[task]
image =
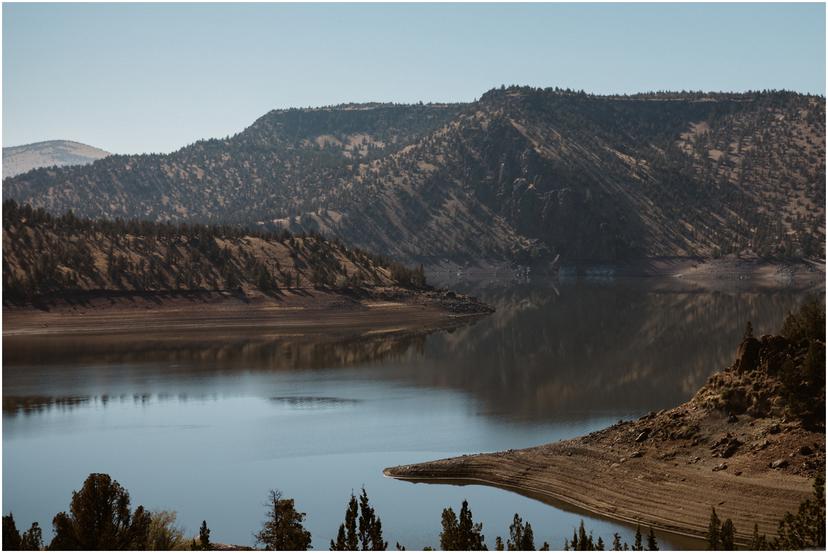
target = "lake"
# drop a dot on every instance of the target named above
(206, 424)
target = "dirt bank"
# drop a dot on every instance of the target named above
(292, 312)
(731, 448)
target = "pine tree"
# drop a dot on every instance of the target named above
(637, 545)
(448, 534)
(757, 542)
(370, 526)
(347, 538)
(616, 542)
(203, 543)
(32, 539)
(11, 537)
(283, 529)
(726, 535)
(521, 537)
(713, 532)
(652, 544)
(498, 543)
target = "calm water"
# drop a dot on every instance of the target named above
(205, 425)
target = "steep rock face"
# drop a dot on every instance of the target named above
(521, 175)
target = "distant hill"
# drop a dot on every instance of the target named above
(521, 175)
(20, 159)
(44, 254)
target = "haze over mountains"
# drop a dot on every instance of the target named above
(521, 175)
(20, 159)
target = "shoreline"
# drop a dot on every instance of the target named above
(731, 447)
(292, 313)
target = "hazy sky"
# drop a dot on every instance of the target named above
(154, 77)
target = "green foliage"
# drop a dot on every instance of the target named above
(347, 538)
(44, 254)
(726, 536)
(11, 536)
(803, 383)
(521, 537)
(461, 534)
(100, 518)
(370, 526)
(283, 529)
(806, 528)
(714, 541)
(808, 323)
(652, 543)
(637, 545)
(32, 539)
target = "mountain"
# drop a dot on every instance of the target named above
(20, 159)
(521, 175)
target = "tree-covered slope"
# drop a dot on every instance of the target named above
(522, 174)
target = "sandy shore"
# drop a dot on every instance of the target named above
(289, 314)
(665, 470)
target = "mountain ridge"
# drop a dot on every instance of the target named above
(521, 175)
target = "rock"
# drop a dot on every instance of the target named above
(636, 454)
(720, 466)
(747, 357)
(732, 418)
(779, 464)
(805, 450)
(738, 473)
(774, 429)
(643, 435)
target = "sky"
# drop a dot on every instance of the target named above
(139, 78)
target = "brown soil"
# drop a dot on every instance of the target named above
(291, 313)
(668, 469)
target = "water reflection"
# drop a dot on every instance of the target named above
(321, 417)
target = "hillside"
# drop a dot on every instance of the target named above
(521, 175)
(52, 153)
(46, 255)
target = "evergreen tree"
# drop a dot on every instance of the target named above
(203, 543)
(806, 529)
(283, 529)
(11, 537)
(370, 526)
(616, 542)
(637, 545)
(100, 518)
(347, 538)
(652, 544)
(757, 542)
(32, 539)
(726, 535)
(713, 532)
(521, 537)
(498, 543)
(448, 534)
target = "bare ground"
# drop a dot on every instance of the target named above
(668, 469)
(294, 312)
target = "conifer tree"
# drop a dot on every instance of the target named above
(11, 537)
(713, 532)
(637, 545)
(347, 538)
(370, 526)
(652, 544)
(726, 535)
(283, 529)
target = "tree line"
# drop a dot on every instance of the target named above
(100, 518)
